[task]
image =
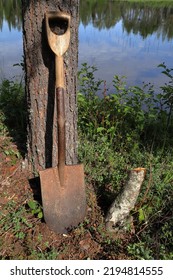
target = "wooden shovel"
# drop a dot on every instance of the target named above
(62, 187)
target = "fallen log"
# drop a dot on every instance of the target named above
(118, 213)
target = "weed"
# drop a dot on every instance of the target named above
(36, 208)
(140, 251)
(15, 220)
(47, 254)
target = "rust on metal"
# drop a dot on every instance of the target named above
(64, 207)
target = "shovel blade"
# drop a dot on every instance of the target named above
(64, 207)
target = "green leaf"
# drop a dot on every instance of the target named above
(6, 152)
(100, 129)
(32, 204)
(167, 74)
(40, 215)
(162, 65)
(141, 215)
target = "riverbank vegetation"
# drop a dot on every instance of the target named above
(129, 127)
(132, 127)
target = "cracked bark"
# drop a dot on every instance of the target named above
(40, 84)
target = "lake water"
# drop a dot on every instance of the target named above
(117, 38)
(115, 52)
(11, 51)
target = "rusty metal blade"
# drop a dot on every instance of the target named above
(64, 206)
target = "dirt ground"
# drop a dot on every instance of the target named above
(25, 236)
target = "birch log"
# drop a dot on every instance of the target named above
(120, 208)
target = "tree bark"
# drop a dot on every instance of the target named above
(125, 201)
(42, 141)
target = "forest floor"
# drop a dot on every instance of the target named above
(25, 235)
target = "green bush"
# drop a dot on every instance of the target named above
(13, 107)
(131, 127)
(130, 116)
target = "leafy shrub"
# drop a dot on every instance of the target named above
(122, 130)
(13, 107)
(130, 116)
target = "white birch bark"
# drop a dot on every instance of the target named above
(120, 208)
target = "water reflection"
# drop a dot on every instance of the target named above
(143, 18)
(119, 37)
(126, 38)
(147, 21)
(10, 11)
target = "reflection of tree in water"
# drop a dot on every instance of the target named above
(147, 20)
(143, 18)
(102, 14)
(10, 10)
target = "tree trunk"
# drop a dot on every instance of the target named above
(40, 84)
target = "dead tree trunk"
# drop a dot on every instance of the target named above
(40, 84)
(125, 201)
